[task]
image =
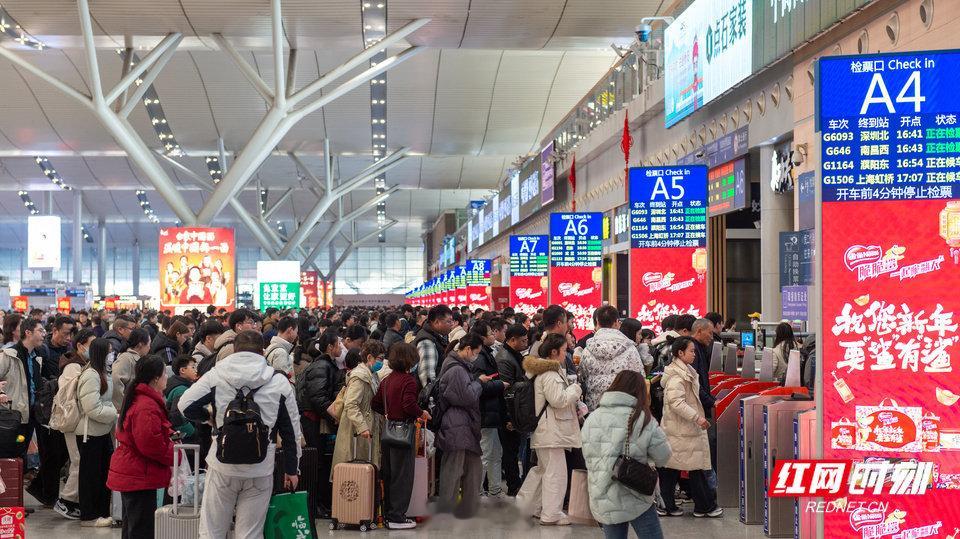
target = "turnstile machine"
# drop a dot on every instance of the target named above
(780, 443)
(805, 428)
(728, 439)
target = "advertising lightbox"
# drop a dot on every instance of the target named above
(890, 248)
(460, 284)
(529, 188)
(529, 265)
(708, 49)
(478, 284)
(668, 238)
(278, 283)
(547, 174)
(309, 288)
(43, 242)
(197, 268)
(576, 257)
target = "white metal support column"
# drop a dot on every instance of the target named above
(356, 243)
(77, 251)
(346, 219)
(102, 257)
(285, 112)
(776, 216)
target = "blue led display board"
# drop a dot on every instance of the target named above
(529, 255)
(668, 206)
(576, 239)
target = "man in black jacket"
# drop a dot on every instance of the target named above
(317, 388)
(510, 367)
(392, 334)
(119, 333)
(492, 409)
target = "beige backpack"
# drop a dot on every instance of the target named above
(65, 416)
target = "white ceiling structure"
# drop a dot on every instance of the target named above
(494, 79)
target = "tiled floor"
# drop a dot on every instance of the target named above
(494, 523)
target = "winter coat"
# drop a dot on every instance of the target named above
(278, 354)
(144, 454)
(357, 417)
(275, 397)
(317, 388)
(401, 392)
(391, 337)
(604, 433)
(559, 426)
(199, 352)
(780, 360)
(176, 386)
(124, 370)
(681, 410)
(493, 408)
(460, 401)
(71, 358)
(11, 371)
(224, 344)
(166, 347)
(606, 354)
(118, 343)
(510, 365)
(97, 413)
(52, 353)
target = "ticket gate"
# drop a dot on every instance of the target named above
(730, 360)
(805, 425)
(767, 361)
(728, 439)
(716, 358)
(752, 485)
(749, 369)
(780, 443)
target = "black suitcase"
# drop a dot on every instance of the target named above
(309, 480)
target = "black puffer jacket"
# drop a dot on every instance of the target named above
(118, 343)
(317, 387)
(165, 347)
(492, 405)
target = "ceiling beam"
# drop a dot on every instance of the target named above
(344, 220)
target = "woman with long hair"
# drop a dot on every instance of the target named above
(686, 426)
(124, 368)
(11, 329)
(71, 365)
(623, 425)
(97, 417)
(783, 343)
(144, 455)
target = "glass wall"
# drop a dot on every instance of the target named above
(380, 270)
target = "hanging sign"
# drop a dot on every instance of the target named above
(460, 283)
(890, 157)
(197, 268)
(576, 257)
(529, 265)
(478, 284)
(668, 238)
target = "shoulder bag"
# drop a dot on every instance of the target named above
(396, 433)
(634, 474)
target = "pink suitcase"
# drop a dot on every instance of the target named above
(355, 492)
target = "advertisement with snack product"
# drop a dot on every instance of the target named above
(478, 284)
(197, 268)
(891, 269)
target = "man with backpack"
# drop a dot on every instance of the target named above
(431, 343)
(278, 352)
(209, 333)
(251, 401)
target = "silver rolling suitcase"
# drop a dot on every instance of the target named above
(171, 521)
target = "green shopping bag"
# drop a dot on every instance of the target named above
(288, 517)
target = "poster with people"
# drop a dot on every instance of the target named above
(197, 268)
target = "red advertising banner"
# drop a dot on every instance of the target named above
(110, 303)
(63, 305)
(501, 297)
(667, 281)
(19, 303)
(577, 289)
(197, 268)
(309, 289)
(326, 292)
(528, 293)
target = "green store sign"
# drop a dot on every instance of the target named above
(279, 295)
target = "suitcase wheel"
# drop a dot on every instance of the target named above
(333, 524)
(363, 527)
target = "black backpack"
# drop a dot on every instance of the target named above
(522, 404)
(243, 438)
(209, 361)
(43, 405)
(429, 400)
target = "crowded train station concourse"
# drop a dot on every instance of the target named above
(287, 269)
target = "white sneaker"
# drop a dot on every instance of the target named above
(61, 509)
(562, 522)
(405, 525)
(717, 512)
(102, 522)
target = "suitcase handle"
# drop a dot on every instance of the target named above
(353, 448)
(177, 449)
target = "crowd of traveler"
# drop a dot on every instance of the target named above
(103, 397)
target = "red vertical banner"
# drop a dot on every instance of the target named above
(309, 288)
(110, 303)
(529, 266)
(500, 296)
(63, 305)
(668, 235)
(576, 259)
(890, 255)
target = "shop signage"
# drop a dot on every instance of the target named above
(708, 50)
(308, 287)
(796, 258)
(546, 175)
(43, 242)
(793, 300)
(807, 200)
(668, 239)
(576, 257)
(514, 197)
(529, 265)
(279, 295)
(63, 305)
(505, 207)
(197, 268)
(621, 223)
(727, 188)
(890, 162)
(478, 284)
(20, 303)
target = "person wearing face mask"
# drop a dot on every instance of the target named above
(124, 368)
(459, 435)
(71, 364)
(357, 418)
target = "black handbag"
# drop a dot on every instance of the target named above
(397, 434)
(634, 474)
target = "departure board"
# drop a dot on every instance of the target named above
(478, 284)
(576, 239)
(668, 206)
(529, 256)
(889, 252)
(727, 188)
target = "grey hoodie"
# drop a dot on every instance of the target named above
(606, 354)
(276, 399)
